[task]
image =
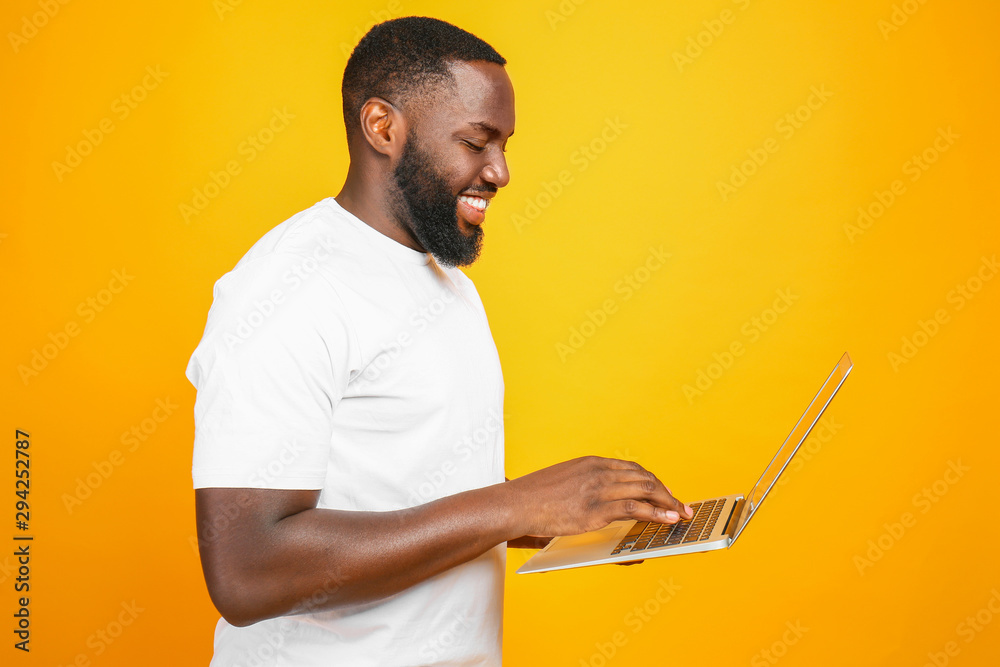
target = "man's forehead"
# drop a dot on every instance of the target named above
(488, 128)
(481, 98)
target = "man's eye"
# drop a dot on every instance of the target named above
(474, 146)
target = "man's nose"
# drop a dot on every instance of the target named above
(496, 171)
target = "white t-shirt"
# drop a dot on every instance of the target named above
(336, 358)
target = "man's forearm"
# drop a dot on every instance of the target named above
(270, 552)
(320, 559)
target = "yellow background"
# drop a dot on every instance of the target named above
(652, 181)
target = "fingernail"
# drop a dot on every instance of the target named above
(689, 510)
(673, 515)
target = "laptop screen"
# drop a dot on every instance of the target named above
(796, 437)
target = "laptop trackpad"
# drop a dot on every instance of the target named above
(604, 535)
(571, 550)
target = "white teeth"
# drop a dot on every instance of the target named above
(477, 203)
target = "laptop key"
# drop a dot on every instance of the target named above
(634, 533)
(650, 535)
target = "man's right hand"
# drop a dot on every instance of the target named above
(273, 552)
(588, 493)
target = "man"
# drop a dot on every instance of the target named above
(348, 457)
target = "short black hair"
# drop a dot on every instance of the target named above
(403, 58)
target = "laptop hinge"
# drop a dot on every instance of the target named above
(734, 521)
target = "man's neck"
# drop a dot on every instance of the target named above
(369, 204)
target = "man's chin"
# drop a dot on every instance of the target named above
(461, 249)
(467, 229)
(452, 259)
(455, 262)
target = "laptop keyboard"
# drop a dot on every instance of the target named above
(649, 535)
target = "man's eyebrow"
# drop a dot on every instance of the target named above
(487, 128)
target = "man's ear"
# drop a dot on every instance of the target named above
(383, 126)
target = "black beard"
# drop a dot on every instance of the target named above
(428, 204)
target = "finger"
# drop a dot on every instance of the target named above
(630, 508)
(651, 491)
(636, 473)
(655, 490)
(621, 464)
(672, 502)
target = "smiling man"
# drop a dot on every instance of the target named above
(349, 449)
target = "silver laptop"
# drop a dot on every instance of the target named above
(716, 523)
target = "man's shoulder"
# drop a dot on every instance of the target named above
(317, 233)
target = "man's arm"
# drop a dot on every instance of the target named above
(527, 541)
(268, 553)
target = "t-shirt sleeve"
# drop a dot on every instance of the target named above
(272, 366)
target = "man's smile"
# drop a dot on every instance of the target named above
(473, 209)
